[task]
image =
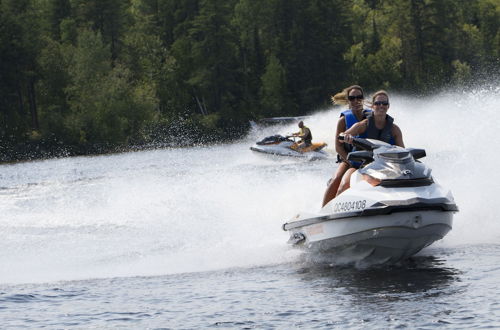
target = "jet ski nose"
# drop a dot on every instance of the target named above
(395, 155)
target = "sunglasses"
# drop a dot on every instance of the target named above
(381, 103)
(355, 97)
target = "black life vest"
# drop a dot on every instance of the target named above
(384, 134)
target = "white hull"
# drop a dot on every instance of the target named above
(284, 150)
(376, 239)
(381, 223)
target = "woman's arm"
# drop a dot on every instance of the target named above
(398, 136)
(339, 146)
(356, 129)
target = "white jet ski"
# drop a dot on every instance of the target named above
(285, 146)
(392, 210)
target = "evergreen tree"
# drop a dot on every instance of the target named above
(105, 107)
(109, 17)
(249, 18)
(274, 93)
(19, 73)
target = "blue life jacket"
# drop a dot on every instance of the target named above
(350, 120)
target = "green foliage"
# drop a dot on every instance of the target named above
(462, 72)
(19, 40)
(51, 88)
(470, 47)
(274, 93)
(104, 107)
(81, 74)
(489, 13)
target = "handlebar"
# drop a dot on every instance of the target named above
(360, 143)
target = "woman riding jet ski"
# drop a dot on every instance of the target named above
(285, 146)
(393, 209)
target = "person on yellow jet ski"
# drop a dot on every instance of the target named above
(305, 136)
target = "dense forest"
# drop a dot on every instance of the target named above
(86, 76)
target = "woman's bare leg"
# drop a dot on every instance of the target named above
(345, 183)
(331, 190)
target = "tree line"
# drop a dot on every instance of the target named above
(85, 76)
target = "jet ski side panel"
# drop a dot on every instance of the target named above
(393, 236)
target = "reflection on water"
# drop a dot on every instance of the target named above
(418, 274)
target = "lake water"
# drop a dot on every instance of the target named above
(191, 238)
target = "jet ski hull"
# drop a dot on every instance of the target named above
(372, 239)
(278, 150)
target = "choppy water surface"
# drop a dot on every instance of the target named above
(190, 238)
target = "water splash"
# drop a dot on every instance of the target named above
(185, 210)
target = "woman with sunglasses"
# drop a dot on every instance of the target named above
(379, 125)
(353, 96)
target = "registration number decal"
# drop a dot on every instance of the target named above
(349, 206)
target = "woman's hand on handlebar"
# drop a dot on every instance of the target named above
(347, 138)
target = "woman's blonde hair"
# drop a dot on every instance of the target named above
(341, 98)
(380, 92)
